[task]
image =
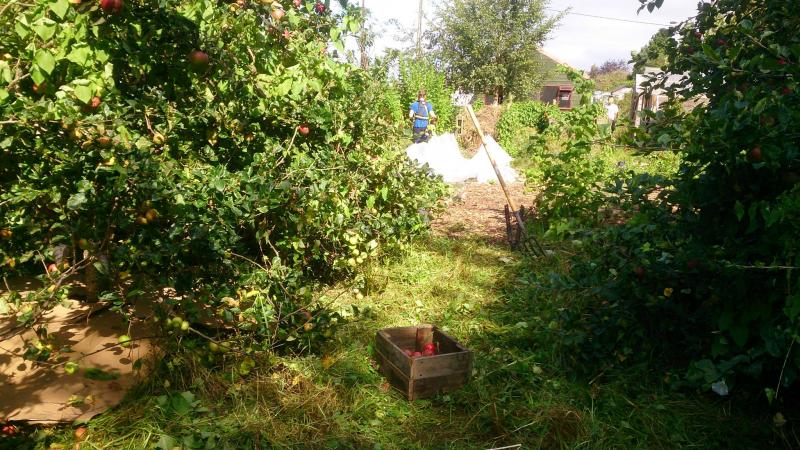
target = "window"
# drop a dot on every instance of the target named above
(565, 97)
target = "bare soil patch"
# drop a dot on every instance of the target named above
(477, 211)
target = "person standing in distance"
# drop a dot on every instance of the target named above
(611, 112)
(422, 114)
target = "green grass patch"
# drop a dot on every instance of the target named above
(519, 393)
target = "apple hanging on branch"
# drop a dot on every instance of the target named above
(755, 155)
(199, 61)
(112, 7)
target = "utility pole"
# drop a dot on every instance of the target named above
(419, 31)
(363, 44)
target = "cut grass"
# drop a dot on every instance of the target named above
(519, 393)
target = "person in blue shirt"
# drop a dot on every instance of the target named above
(422, 114)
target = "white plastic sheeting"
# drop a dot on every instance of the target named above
(443, 157)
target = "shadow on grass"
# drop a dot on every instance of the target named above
(520, 393)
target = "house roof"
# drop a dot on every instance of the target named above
(556, 60)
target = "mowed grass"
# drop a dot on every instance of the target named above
(519, 393)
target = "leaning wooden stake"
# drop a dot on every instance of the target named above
(525, 236)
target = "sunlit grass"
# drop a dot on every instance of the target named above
(519, 393)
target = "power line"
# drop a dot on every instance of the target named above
(607, 18)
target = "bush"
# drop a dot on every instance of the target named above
(519, 120)
(198, 145)
(702, 272)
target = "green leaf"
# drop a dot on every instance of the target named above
(83, 93)
(94, 373)
(79, 55)
(45, 28)
(181, 404)
(739, 210)
(76, 200)
(339, 46)
(22, 28)
(60, 7)
(45, 61)
(246, 366)
(335, 32)
(3, 94)
(739, 333)
(384, 193)
(166, 442)
(71, 367)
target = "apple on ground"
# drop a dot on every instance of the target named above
(80, 433)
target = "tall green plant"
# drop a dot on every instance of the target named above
(416, 74)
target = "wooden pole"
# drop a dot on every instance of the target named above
(419, 31)
(502, 181)
(363, 43)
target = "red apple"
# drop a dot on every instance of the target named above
(40, 88)
(416, 354)
(80, 433)
(298, 3)
(319, 7)
(111, 6)
(722, 42)
(786, 90)
(698, 34)
(428, 352)
(303, 129)
(781, 62)
(52, 268)
(277, 14)
(408, 353)
(199, 60)
(429, 346)
(755, 155)
(692, 264)
(639, 271)
(104, 141)
(5, 233)
(287, 34)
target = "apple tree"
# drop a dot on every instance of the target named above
(211, 147)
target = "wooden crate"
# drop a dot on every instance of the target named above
(423, 376)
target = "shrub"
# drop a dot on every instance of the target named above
(702, 273)
(198, 145)
(520, 119)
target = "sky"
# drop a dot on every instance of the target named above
(579, 41)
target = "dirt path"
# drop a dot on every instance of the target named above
(477, 210)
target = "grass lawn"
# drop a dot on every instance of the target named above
(519, 393)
